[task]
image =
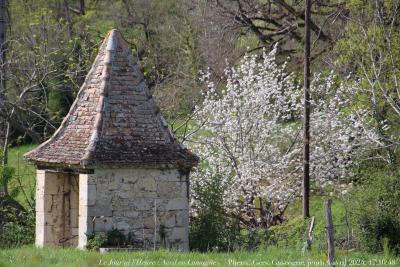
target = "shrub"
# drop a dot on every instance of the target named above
(116, 238)
(17, 223)
(18, 229)
(252, 239)
(288, 234)
(95, 241)
(113, 238)
(210, 228)
(375, 212)
(212, 232)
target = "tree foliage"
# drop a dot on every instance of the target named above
(370, 53)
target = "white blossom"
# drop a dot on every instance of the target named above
(252, 136)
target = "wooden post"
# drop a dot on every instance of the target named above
(310, 233)
(330, 233)
(306, 122)
(155, 224)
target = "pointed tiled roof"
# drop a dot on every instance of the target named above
(114, 119)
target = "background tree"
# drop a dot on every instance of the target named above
(370, 52)
(264, 23)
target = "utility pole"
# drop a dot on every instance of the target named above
(306, 164)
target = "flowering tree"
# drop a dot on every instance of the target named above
(250, 138)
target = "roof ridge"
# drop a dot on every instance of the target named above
(105, 84)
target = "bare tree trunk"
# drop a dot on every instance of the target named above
(5, 157)
(3, 30)
(68, 18)
(306, 164)
(329, 233)
(82, 7)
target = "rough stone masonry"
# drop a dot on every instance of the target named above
(113, 163)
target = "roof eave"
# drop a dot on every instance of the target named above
(88, 166)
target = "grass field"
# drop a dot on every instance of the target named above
(23, 183)
(33, 257)
(16, 156)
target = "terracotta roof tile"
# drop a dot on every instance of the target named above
(114, 120)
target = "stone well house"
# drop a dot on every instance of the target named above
(113, 163)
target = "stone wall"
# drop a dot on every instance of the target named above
(147, 204)
(56, 209)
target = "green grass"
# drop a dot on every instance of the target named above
(317, 210)
(293, 232)
(24, 174)
(32, 257)
(15, 156)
